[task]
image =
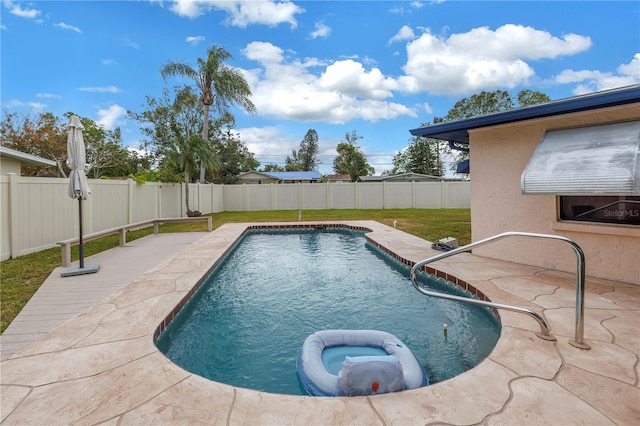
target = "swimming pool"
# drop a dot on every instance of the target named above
(247, 322)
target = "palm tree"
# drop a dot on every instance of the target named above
(184, 150)
(220, 85)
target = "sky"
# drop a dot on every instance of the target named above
(379, 68)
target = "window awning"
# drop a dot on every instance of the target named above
(594, 160)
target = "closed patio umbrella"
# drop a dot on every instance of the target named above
(78, 186)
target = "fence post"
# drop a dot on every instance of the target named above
(245, 199)
(385, 198)
(199, 187)
(272, 191)
(413, 194)
(130, 202)
(14, 214)
(159, 198)
(327, 194)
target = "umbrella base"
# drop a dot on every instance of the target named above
(88, 269)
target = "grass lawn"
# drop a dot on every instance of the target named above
(20, 278)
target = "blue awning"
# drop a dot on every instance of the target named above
(463, 167)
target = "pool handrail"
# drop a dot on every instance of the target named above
(577, 342)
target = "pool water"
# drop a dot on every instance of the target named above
(246, 324)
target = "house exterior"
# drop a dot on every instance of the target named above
(254, 177)
(12, 161)
(569, 167)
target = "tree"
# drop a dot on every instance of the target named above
(480, 104)
(421, 156)
(220, 85)
(486, 103)
(270, 167)
(43, 135)
(306, 158)
(350, 160)
(235, 157)
(187, 150)
(528, 97)
(105, 154)
(173, 127)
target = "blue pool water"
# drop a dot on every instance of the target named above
(246, 324)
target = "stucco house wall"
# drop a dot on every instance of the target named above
(499, 155)
(9, 165)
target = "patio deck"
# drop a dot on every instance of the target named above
(59, 299)
(102, 367)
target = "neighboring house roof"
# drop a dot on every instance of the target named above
(254, 173)
(284, 176)
(25, 159)
(339, 178)
(295, 175)
(403, 177)
(458, 131)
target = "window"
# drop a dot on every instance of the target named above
(607, 209)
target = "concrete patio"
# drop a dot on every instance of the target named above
(102, 367)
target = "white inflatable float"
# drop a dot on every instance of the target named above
(357, 362)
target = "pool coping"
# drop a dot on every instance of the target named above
(103, 367)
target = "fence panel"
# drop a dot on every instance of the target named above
(171, 200)
(257, 197)
(313, 196)
(144, 201)
(342, 196)
(233, 198)
(370, 195)
(457, 195)
(107, 206)
(286, 197)
(427, 195)
(205, 199)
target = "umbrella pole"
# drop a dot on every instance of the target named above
(81, 246)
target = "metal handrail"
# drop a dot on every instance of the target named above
(544, 329)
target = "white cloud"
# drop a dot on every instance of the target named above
(341, 92)
(67, 27)
(632, 68)
(19, 11)
(195, 40)
(263, 52)
(48, 96)
(264, 141)
(105, 89)
(131, 44)
(111, 117)
(405, 33)
(15, 103)
(321, 30)
(242, 13)
(350, 78)
(481, 58)
(594, 81)
(108, 62)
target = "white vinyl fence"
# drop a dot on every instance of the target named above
(35, 213)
